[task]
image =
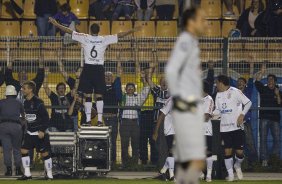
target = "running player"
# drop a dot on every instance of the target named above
(37, 119)
(166, 117)
(208, 106)
(232, 105)
(93, 74)
(183, 74)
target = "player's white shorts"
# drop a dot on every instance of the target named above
(189, 136)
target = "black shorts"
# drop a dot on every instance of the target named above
(92, 78)
(32, 141)
(209, 143)
(169, 141)
(234, 139)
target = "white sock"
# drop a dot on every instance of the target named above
(189, 175)
(209, 161)
(100, 106)
(26, 165)
(48, 167)
(238, 162)
(87, 109)
(170, 161)
(165, 167)
(229, 166)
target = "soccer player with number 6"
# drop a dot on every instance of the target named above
(93, 74)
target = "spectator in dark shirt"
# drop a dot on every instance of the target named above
(43, 10)
(165, 9)
(66, 18)
(246, 22)
(73, 84)
(161, 95)
(144, 9)
(247, 89)
(113, 97)
(22, 77)
(269, 23)
(77, 105)
(60, 120)
(123, 8)
(2, 77)
(101, 9)
(270, 96)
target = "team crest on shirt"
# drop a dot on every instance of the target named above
(228, 95)
(224, 106)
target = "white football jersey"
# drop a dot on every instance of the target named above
(208, 107)
(229, 105)
(94, 46)
(167, 108)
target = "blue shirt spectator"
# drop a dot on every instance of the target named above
(66, 17)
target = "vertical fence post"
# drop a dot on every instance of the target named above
(225, 56)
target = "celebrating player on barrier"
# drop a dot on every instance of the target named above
(232, 105)
(93, 74)
(183, 75)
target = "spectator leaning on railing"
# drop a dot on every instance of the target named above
(60, 120)
(129, 126)
(22, 77)
(270, 96)
(73, 84)
(113, 96)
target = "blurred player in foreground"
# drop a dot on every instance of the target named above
(93, 74)
(166, 118)
(183, 75)
(208, 106)
(232, 106)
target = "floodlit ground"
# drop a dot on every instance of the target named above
(116, 181)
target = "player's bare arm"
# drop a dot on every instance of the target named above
(59, 26)
(124, 34)
(159, 122)
(45, 83)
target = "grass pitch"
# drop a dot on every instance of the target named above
(116, 181)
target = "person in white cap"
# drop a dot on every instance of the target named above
(11, 130)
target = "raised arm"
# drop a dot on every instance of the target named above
(145, 91)
(45, 83)
(123, 34)
(71, 108)
(62, 68)
(2, 77)
(39, 78)
(59, 26)
(9, 79)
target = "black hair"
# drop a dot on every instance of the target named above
(31, 85)
(206, 86)
(273, 76)
(243, 79)
(129, 84)
(61, 84)
(188, 15)
(95, 28)
(224, 80)
(65, 7)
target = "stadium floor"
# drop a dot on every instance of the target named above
(116, 181)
